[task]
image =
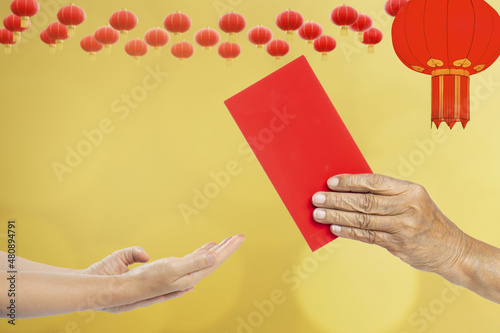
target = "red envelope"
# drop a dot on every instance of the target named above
(298, 138)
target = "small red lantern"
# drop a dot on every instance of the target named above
(7, 38)
(44, 36)
(207, 38)
(277, 48)
(371, 37)
(107, 36)
(24, 9)
(289, 21)
(182, 50)
(363, 23)
(260, 36)
(13, 23)
(123, 21)
(310, 31)
(392, 7)
(156, 38)
(229, 51)
(136, 48)
(58, 32)
(91, 45)
(324, 45)
(344, 16)
(177, 23)
(232, 23)
(71, 16)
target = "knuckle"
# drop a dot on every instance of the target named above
(335, 200)
(376, 181)
(368, 203)
(364, 221)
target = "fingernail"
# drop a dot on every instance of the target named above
(333, 182)
(319, 214)
(211, 258)
(335, 229)
(319, 198)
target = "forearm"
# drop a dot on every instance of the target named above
(41, 294)
(28, 265)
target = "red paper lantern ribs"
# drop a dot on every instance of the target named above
(7, 38)
(232, 23)
(136, 48)
(71, 16)
(229, 51)
(177, 23)
(207, 38)
(107, 36)
(449, 41)
(260, 36)
(310, 31)
(182, 50)
(24, 9)
(363, 23)
(344, 16)
(123, 21)
(44, 36)
(277, 48)
(392, 7)
(289, 21)
(372, 37)
(156, 38)
(58, 32)
(324, 45)
(91, 45)
(13, 23)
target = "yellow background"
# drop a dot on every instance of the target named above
(128, 190)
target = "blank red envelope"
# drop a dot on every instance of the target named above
(299, 139)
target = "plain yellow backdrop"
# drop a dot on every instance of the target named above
(172, 137)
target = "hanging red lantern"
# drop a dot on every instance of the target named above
(277, 48)
(7, 38)
(363, 23)
(58, 32)
(232, 23)
(91, 45)
(107, 36)
(177, 23)
(207, 38)
(156, 38)
(260, 36)
(136, 48)
(24, 9)
(229, 51)
(392, 7)
(310, 31)
(372, 37)
(71, 16)
(344, 16)
(13, 23)
(289, 21)
(182, 50)
(44, 36)
(324, 45)
(465, 41)
(123, 21)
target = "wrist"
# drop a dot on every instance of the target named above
(462, 269)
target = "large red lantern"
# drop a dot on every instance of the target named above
(372, 37)
(363, 23)
(7, 38)
(277, 48)
(107, 36)
(207, 38)
(58, 32)
(182, 50)
(450, 42)
(310, 31)
(260, 36)
(13, 23)
(229, 51)
(324, 45)
(177, 23)
(123, 21)
(344, 16)
(44, 36)
(91, 45)
(71, 16)
(24, 9)
(392, 7)
(232, 23)
(136, 48)
(289, 21)
(156, 38)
